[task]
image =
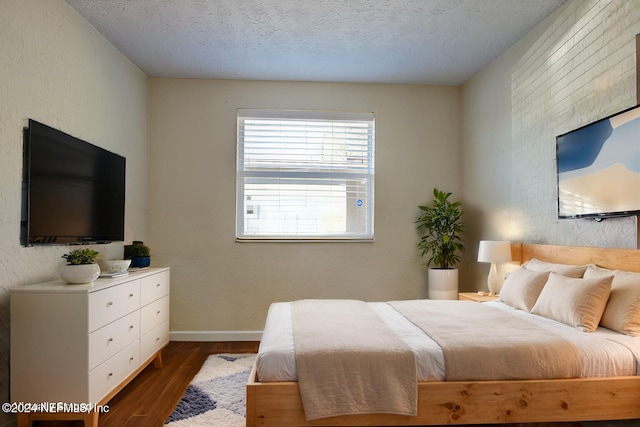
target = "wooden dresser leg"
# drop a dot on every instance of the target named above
(23, 420)
(91, 419)
(157, 361)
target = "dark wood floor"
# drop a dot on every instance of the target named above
(151, 397)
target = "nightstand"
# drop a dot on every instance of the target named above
(474, 296)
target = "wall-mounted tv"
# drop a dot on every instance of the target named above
(75, 191)
(599, 168)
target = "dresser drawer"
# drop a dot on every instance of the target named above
(154, 314)
(110, 304)
(154, 341)
(110, 339)
(154, 287)
(111, 373)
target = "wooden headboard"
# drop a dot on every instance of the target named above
(615, 259)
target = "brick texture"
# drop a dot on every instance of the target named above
(581, 69)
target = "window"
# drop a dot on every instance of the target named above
(304, 175)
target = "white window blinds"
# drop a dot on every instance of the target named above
(304, 175)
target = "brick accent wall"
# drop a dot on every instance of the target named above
(582, 68)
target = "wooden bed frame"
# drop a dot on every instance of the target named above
(278, 404)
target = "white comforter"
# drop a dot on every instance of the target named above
(604, 352)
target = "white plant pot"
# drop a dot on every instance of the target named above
(79, 274)
(443, 283)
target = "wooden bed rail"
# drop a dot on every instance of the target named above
(466, 402)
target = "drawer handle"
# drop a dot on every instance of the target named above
(158, 312)
(110, 374)
(130, 295)
(131, 359)
(130, 327)
(109, 303)
(157, 339)
(157, 285)
(110, 340)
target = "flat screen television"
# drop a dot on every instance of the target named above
(598, 168)
(75, 190)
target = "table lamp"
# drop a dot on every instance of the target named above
(494, 252)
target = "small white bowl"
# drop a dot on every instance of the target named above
(112, 266)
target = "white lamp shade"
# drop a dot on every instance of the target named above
(494, 251)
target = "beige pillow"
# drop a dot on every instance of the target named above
(522, 287)
(622, 313)
(564, 269)
(576, 302)
(595, 271)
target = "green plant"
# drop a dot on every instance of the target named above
(81, 256)
(137, 250)
(441, 226)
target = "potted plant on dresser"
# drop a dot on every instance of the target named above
(138, 253)
(441, 227)
(81, 266)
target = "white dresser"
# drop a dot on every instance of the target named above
(83, 343)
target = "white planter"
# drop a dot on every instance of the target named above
(443, 283)
(79, 274)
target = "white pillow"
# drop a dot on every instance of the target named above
(622, 313)
(576, 302)
(564, 269)
(522, 287)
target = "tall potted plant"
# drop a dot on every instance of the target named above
(441, 227)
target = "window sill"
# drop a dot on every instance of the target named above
(304, 240)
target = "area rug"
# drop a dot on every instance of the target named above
(216, 395)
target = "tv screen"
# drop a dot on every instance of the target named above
(599, 168)
(75, 190)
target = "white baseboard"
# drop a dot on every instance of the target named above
(215, 335)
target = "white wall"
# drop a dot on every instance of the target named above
(574, 68)
(221, 285)
(58, 70)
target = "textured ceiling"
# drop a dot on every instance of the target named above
(443, 42)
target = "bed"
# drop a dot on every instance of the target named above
(602, 395)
